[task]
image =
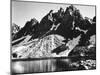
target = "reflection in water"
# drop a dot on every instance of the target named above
(49, 65)
(33, 66)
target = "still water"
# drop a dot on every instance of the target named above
(46, 65)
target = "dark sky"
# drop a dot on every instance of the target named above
(24, 11)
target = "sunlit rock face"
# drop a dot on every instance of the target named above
(71, 44)
(44, 47)
(40, 47)
(92, 41)
(15, 29)
(89, 50)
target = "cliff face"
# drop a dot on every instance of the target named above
(56, 35)
(15, 28)
(49, 46)
(28, 29)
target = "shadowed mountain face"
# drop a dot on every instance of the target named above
(29, 29)
(71, 24)
(68, 24)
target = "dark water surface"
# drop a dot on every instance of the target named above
(47, 65)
